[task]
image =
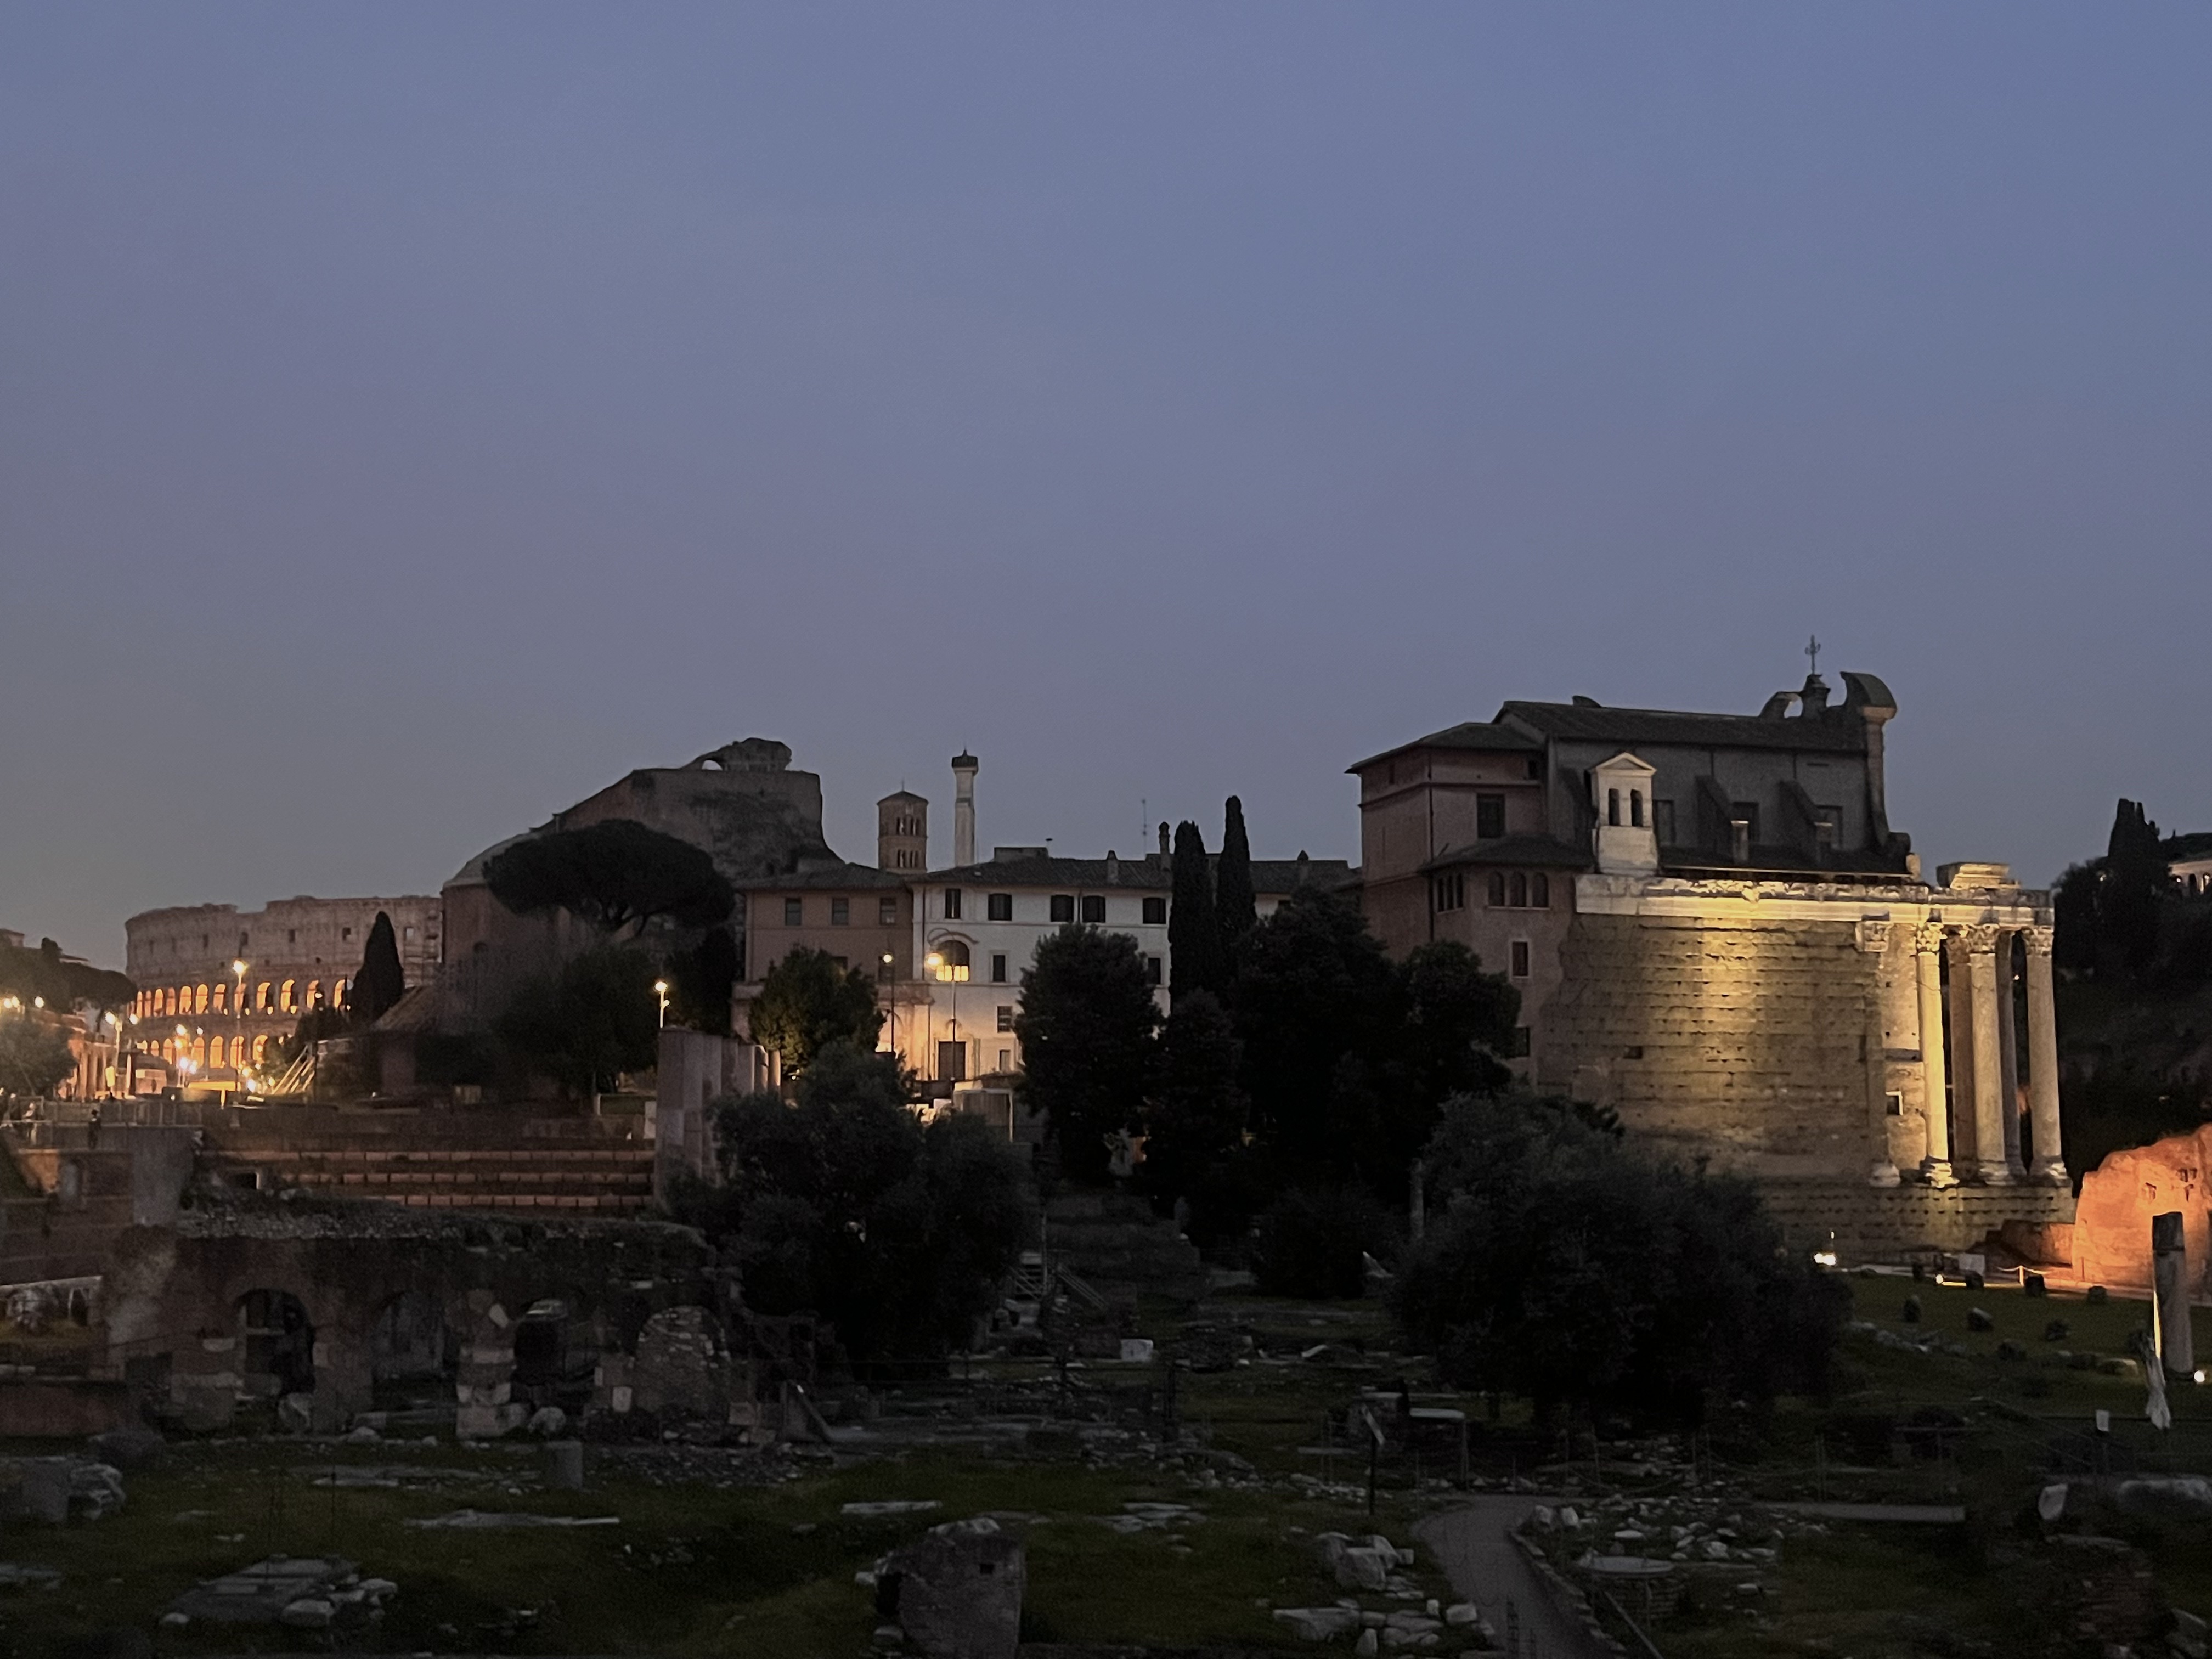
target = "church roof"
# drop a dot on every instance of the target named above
(1834, 731)
(1468, 734)
(1541, 851)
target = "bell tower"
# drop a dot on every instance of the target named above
(903, 832)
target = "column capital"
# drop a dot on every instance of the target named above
(2038, 940)
(1977, 939)
(1873, 935)
(1928, 939)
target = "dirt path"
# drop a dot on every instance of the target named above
(1489, 1570)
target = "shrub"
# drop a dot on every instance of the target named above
(1314, 1243)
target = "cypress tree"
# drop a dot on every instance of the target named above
(1235, 907)
(1193, 937)
(378, 983)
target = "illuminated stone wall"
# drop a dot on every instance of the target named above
(1742, 1042)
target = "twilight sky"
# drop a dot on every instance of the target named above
(414, 416)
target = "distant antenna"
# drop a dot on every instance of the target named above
(1812, 653)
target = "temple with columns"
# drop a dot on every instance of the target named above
(1716, 932)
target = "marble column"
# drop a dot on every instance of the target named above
(2009, 1054)
(2043, 1063)
(1989, 1069)
(1959, 1011)
(1927, 965)
(1873, 941)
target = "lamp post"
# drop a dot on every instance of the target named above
(660, 990)
(934, 962)
(238, 967)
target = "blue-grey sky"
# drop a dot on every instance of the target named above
(414, 416)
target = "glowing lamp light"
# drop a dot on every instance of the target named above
(2197, 1376)
(1824, 1258)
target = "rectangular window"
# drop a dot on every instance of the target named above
(887, 912)
(1450, 892)
(1063, 907)
(1155, 912)
(1000, 906)
(345, 932)
(1005, 1060)
(841, 913)
(1006, 1016)
(795, 913)
(1520, 959)
(1094, 907)
(952, 904)
(1663, 822)
(952, 1062)
(998, 967)
(1489, 816)
(1153, 970)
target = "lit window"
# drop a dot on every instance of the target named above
(260, 1049)
(1155, 912)
(338, 993)
(841, 912)
(1520, 959)
(952, 962)
(794, 912)
(1006, 1016)
(1063, 907)
(200, 1000)
(1094, 907)
(952, 904)
(284, 997)
(1000, 906)
(887, 912)
(221, 995)
(314, 994)
(261, 998)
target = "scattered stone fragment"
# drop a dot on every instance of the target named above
(893, 1506)
(1978, 1319)
(956, 1593)
(1319, 1624)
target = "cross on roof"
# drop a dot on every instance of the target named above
(1813, 653)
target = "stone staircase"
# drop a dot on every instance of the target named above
(1115, 1243)
(452, 1167)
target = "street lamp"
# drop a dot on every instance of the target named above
(660, 990)
(238, 1014)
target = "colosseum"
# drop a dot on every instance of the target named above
(299, 954)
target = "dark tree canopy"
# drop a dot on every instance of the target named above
(1235, 906)
(1348, 1055)
(586, 1024)
(1195, 1119)
(34, 1055)
(807, 1002)
(1086, 1023)
(378, 983)
(700, 981)
(1562, 1267)
(44, 972)
(613, 875)
(2131, 896)
(1193, 935)
(843, 1205)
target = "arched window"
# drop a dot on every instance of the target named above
(337, 994)
(1635, 808)
(1520, 890)
(314, 994)
(221, 995)
(954, 961)
(1613, 806)
(284, 997)
(1540, 890)
(199, 1051)
(169, 1001)
(261, 998)
(200, 1000)
(1497, 888)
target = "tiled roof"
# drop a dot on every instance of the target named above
(1834, 731)
(821, 877)
(1468, 734)
(1152, 874)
